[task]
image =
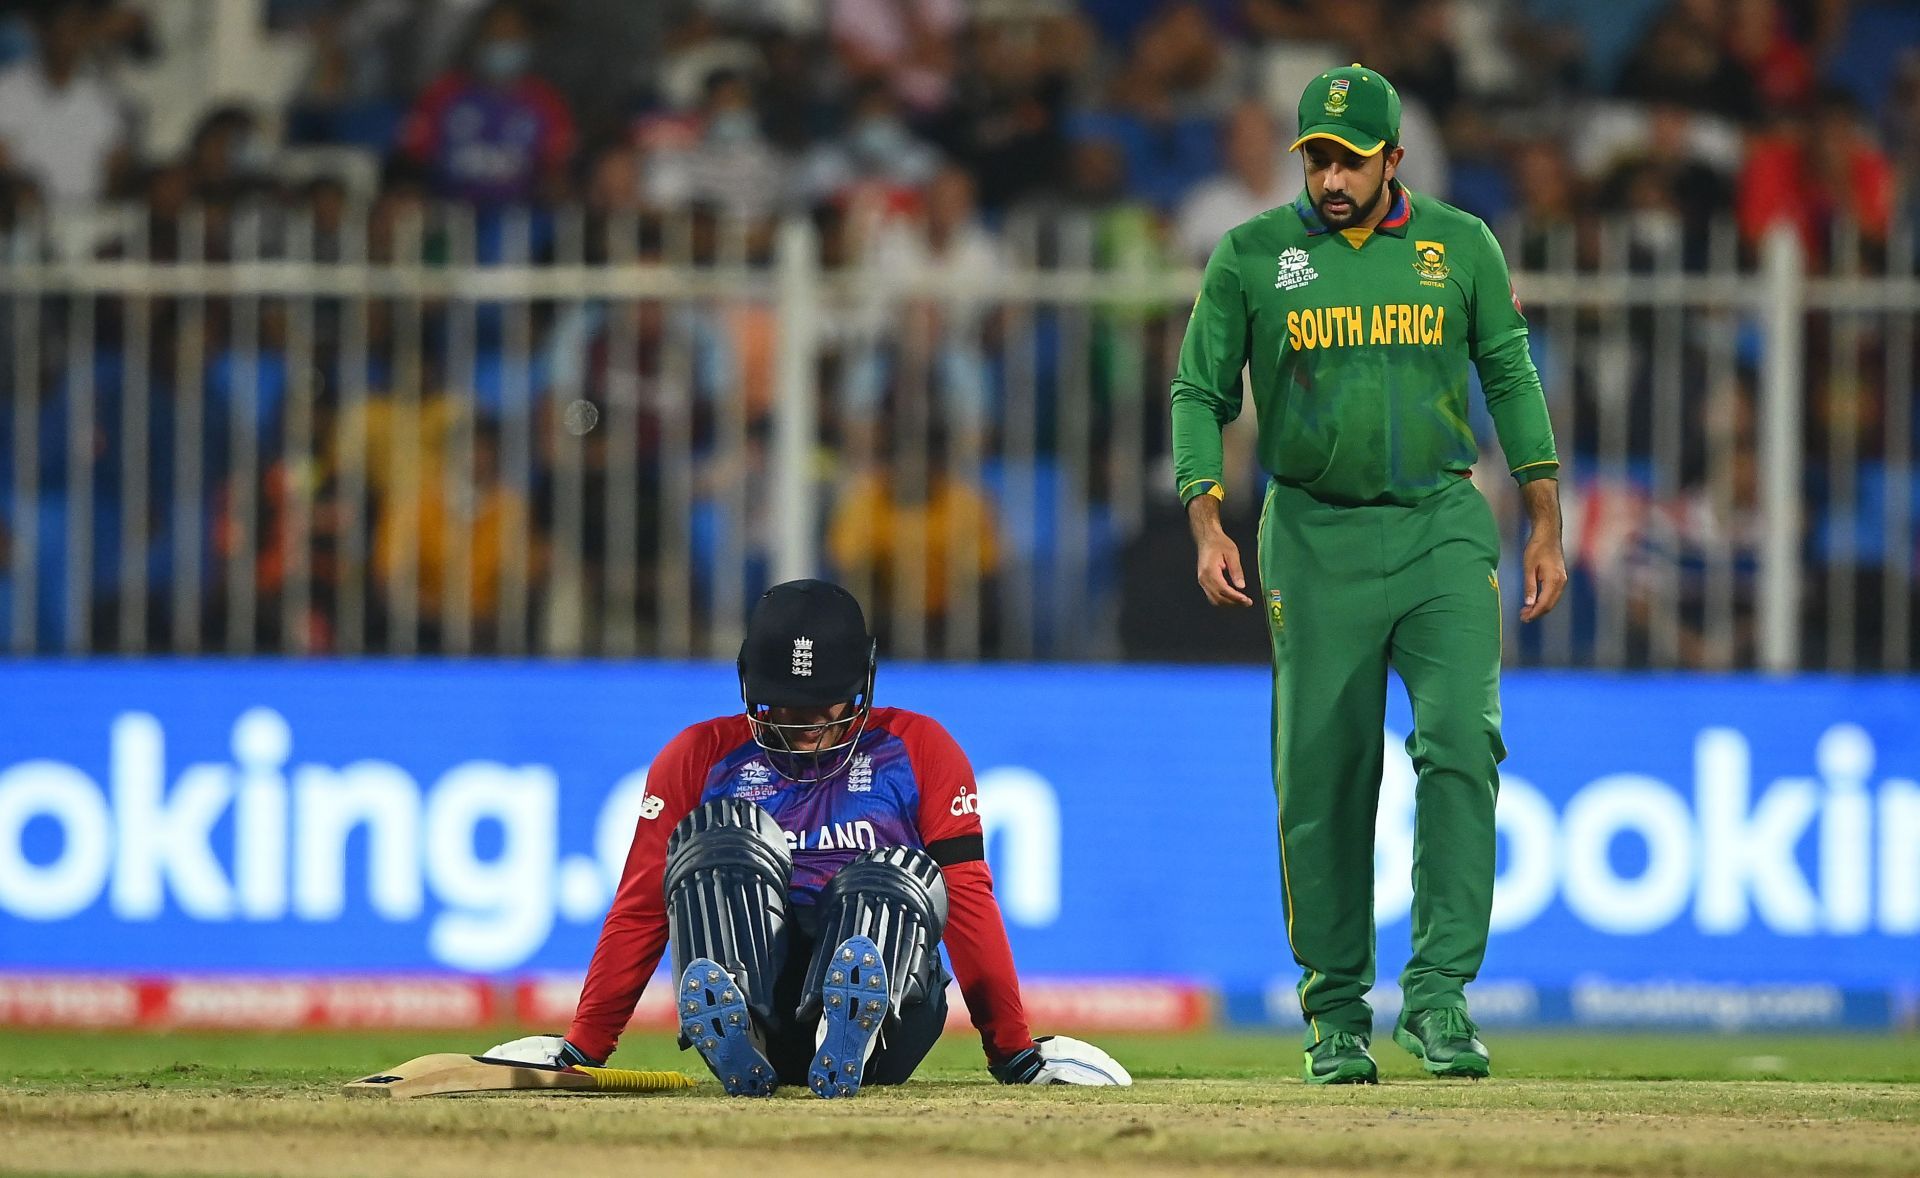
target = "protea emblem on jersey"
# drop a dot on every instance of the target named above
(1430, 262)
(1336, 103)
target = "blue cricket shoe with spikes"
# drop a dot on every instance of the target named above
(715, 1021)
(853, 1005)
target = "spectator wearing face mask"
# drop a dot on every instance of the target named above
(876, 162)
(229, 151)
(730, 166)
(490, 132)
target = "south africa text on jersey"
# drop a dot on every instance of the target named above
(1421, 324)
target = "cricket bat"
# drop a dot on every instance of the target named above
(450, 1073)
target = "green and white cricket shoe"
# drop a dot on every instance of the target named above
(1340, 1058)
(1445, 1041)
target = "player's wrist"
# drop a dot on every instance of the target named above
(1019, 1068)
(573, 1057)
(1203, 517)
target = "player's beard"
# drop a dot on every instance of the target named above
(1357, 213)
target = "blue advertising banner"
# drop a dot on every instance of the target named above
(1662, 838)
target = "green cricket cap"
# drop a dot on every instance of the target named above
(1355, 106)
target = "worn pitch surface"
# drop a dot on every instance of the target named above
(120, 1103)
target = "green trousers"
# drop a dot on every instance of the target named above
(1351, 591)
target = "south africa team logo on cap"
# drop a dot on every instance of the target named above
(1430, 262)
(1336, 103)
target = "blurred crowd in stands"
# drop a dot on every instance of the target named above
(1676, 111)
(911, 134)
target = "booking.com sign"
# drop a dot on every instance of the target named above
(474, 817)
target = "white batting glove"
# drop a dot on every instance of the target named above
(1056, 1059)
(551, 1051)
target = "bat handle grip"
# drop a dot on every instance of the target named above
(631, 1080)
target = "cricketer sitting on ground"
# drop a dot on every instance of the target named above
(1356, 310)
(806, 859)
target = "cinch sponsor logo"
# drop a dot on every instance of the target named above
(262, 838)
(1356, 326)
(1720, 852)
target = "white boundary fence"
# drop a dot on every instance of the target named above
(574, 436)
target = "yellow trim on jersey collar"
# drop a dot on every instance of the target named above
(1346, 143)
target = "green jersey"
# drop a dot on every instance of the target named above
(1358, 343)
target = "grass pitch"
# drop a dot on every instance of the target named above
(195, 1104)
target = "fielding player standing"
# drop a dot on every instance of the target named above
(1358, 308)
(805, 859)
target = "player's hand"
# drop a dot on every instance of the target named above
(1221, 577)
(550, 1051)
(1545, 575)
(1056, 1059)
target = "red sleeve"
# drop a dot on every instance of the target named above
(976, 939)
(635, 931)
(557, 134)
(420, 134)
(1769, 190)
(1872, 183)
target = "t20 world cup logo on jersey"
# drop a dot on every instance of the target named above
(1295, 270)
(756, 782)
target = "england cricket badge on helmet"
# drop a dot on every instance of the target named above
(807, 651)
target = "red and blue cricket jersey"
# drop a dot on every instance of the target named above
(907, 784)
(486, 144)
